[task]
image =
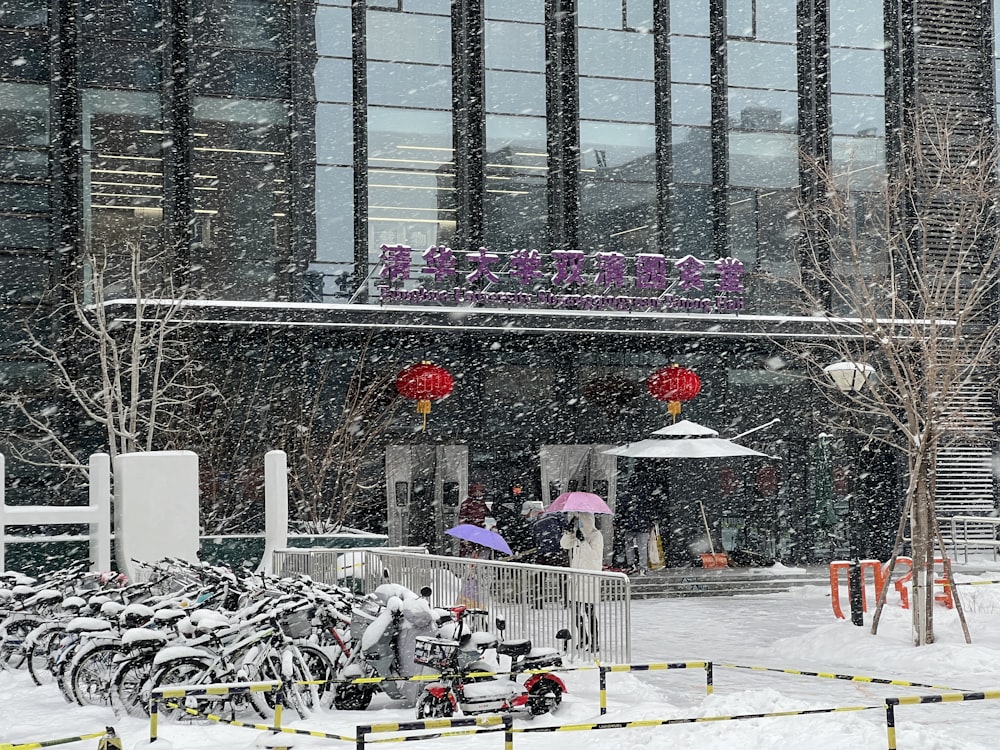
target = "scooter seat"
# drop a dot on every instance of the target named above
(515, 647)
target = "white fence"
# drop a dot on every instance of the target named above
(535, 600)
(97, 516)
(973, 534)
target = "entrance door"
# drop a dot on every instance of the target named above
(424, 486)
(567, 468)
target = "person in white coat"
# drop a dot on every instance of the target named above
(585, 544)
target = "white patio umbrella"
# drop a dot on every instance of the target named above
(685, 439)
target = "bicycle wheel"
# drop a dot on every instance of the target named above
(13, 654)
(131, 686)
(432, 707)
(186, 671)
(91, 672)
(299, 696)
(263, 668)
(321, 669)
(45, 643)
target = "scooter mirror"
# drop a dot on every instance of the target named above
(501, 624)
(426, 592)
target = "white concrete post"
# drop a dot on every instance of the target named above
(100, 500)
(156, 508)
(275, 507)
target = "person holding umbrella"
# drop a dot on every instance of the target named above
(585, 544)
(474, 511)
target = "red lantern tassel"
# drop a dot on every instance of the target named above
(424, 407)
(674, 408)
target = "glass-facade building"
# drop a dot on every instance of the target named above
(345, 155)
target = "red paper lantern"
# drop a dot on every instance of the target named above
(673, 384)
(424, 382)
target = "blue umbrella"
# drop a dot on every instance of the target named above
(479, 535)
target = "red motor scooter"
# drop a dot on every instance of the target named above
(469, 683)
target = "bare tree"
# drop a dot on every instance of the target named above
(327, 457)
(907, 272)
(129, 372)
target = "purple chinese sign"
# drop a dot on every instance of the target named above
(568, 279)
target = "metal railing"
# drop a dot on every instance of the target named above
(972, 533)
(536, 601)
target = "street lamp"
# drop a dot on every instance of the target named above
(850, 377)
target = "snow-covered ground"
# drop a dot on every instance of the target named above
(794, 630)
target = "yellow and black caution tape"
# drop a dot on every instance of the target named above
(665, 665)
(259, 727)
(955, 697)
(479, 724)
(836, 676)
(62, 741)
(603, 687)
(435, 677)
(216, 690)
(692, 720)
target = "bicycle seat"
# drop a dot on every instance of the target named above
(515, 647)
(169, 614)
(87, 625)
(133, 636)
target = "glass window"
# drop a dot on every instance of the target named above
(856, 23)
(515, 204)
(692, 155)
(334, 212)
(689, 17)
(758, 65)
(639, 15)
(515, 93)
(610, 99)
(402, 85)
(333, 31)
(25, 165)
(855, 71)
(740, 18)
(515, 46)
(617, 187)
(21, 14)
(21, 198)
(862, 159)
(23, 56)
(333, 80)
(121, 65)
(243, 73)
(689, 59)
(858, 115)
(775, 21)
(600, 14)
(123, 172)
(616, 54)
(763, 159)
(23, 278)
(691, 105)
(18, 231)
(249, 24)
(116, 19)
(334, 139)
(24, 114)
(504, 10)
(438, 7)
(403, 37)
(758, 109)
(410, 178)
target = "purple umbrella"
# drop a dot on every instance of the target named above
(479, 535)
(579, 502)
